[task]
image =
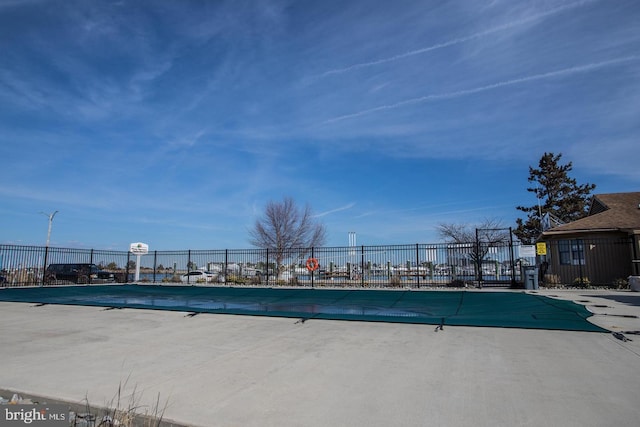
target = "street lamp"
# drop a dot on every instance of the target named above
(51, 215)
(46, 249)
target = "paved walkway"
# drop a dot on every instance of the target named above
(225, 370)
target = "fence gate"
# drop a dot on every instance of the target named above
(494, 258)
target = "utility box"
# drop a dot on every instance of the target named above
(530, 277)
(634, 283)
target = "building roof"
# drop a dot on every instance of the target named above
(608, 212)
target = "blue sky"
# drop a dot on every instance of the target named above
(174, 122)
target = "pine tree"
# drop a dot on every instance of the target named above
(557, 194)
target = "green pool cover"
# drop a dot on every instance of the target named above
(457, 308)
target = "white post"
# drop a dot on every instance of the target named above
(138, 249)
(51, 215)
(352, 238)
(352, 243)
(137, 279)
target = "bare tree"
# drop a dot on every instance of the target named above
(480, 238)
(287, 231)
(490, 231)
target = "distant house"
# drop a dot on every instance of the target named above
(602, 247)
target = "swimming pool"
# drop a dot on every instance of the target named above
(455, 308)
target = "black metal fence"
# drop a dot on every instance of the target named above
(568, 262)
(27, 265)
(415, 265)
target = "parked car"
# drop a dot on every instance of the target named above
(199, 276)
(77, 273)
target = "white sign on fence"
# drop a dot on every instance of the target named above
(139, 248)
(527, 251)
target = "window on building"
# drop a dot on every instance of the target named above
(571, 252)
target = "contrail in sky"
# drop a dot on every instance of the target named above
(342, 208)
(457, 94)
(499, 28)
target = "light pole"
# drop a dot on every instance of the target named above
(51, 215)
(46, 249)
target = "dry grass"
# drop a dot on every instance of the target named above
(124, 410)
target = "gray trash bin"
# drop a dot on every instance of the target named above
(530, 277)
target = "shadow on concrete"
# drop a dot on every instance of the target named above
(624, 299)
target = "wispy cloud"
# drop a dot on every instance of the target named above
(341, 208)
(195, 114)
(186, 141)
(453, 42)
(434, 209)
(456, 94)
(600, 155)
(6, 4)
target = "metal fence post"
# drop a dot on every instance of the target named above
(188, 265)
(478, 260)
(512, 259)
(90, 262)
(155, 259)
(362, 266)
(226, 264)
(126, 279)
(418, 264)
(266, 264)
(312, 271)
(44, 268)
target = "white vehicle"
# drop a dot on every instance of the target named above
(199, 276)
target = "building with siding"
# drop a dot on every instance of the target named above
(602, 248)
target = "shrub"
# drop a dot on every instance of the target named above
(457, 283)
(551, 279)
(581, 281)
(238, 280)
(395, 281)
(621, 284)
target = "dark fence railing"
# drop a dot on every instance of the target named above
(579, 262)
(27, 265)
(415, 265)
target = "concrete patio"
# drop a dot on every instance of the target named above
(227, 370)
